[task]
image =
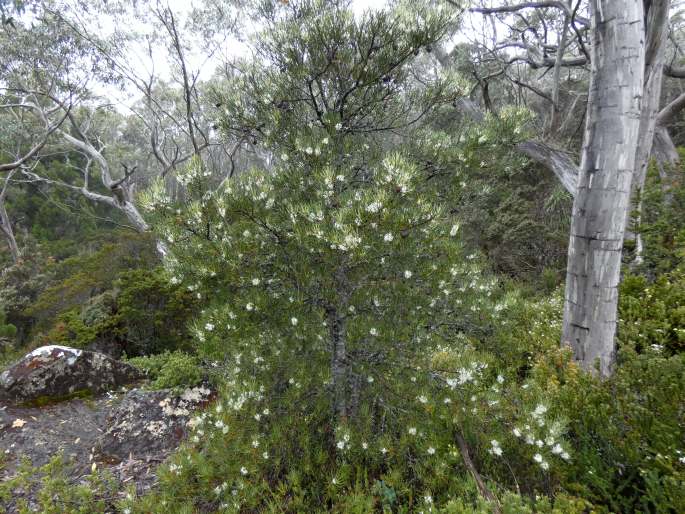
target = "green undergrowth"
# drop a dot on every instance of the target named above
(170, 370)
(54, 490)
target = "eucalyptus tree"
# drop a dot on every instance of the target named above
(624, 44)
(71, 61)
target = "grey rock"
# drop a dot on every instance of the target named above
(54, 373)
(149, 423)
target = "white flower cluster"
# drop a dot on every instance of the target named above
(495, 448)
(546, 440)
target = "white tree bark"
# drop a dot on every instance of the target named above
(602, 200)
(656, 34)
(664, 152)
(6, 223)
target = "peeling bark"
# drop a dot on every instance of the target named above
(602, 201)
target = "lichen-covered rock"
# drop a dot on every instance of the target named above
(149, 422)
(53, 373)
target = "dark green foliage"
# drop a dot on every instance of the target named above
(20, 285)
(652, 315)
(7, 330)
(170, 370)
(515, 212)
(662, 224)
(153, 313)
(628, 435)
(77, 279)
(142, 314)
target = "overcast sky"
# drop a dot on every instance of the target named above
(141, 62)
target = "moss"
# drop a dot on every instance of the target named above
(43, 401)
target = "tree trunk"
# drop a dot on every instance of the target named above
(339, 374)
(602, 201)
(6, 228)
(133, 215)
(664, 152)
(656, 34)
(5, 223)
(556, 81)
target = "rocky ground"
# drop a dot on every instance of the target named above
(128, 430)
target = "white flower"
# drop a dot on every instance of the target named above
(454, 230)
(374, 207)
(265, 455)
(209, 327)
(293, 321)
(516, 432)
(388, 237)
(407, 274)
(243, 470)
(544, 465)
(340, 445)
(384, 450)
(537, 458)
(309, 150)
(423, 399)
(496, 449)
(255, 444)
(428, 498)
(324, 141)
(373, 332)
(369, 379)
(284, 157)
(334, 481)
(412, 430)
(539, 410)
(338, 126)
(557, 449)
(566, 456)
(431, 451)
(249, 306)
(365, 445)
(500, 379)
(255, 281)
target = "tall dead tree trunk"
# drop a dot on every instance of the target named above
(656, 28)
(602, 201)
